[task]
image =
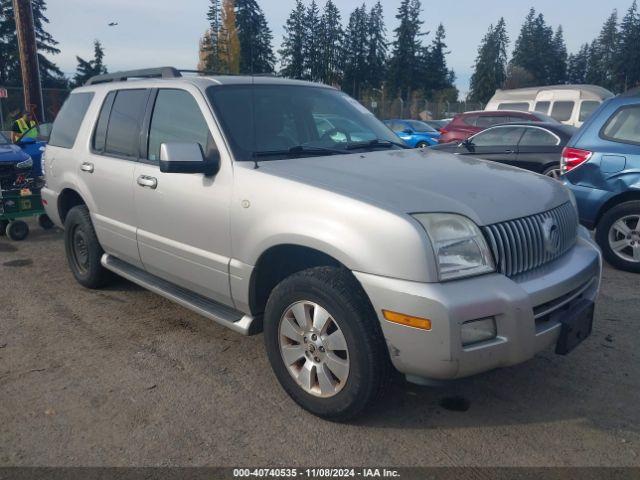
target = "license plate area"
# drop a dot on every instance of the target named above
(576, 325)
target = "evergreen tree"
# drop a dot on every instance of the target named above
(356, 43)
(50, 74)
(292, 50)
(404, 65)
(228, 43)
(376, 47)
(558, 60)
(435, 75)
(254, 37)
(628, 51)
(577, 65)
(312, 46)
(532, 49)
(603, 56)
(490, 70)
(210, 44)
(89, 68)
(331, 45)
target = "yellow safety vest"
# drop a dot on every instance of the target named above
(27, 127)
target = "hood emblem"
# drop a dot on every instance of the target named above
(551, 235)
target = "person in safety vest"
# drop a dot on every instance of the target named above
(24, 126)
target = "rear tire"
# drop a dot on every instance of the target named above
(553, 172)
(422, 145)
(17, 230)
(3, 227)
(618, 234)
(45, 222)
(361, 343)
(83, 249)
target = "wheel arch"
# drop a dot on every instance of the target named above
(627, 196)
(68, 199)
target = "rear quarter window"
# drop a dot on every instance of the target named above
(67, 123)
(623, 126)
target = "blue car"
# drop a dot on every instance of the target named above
(13, 163)
(601, 165)
(415, 133)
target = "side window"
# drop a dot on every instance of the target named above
(521, 106)
(67, 123)
(587, 107)
(100, 134)
(542, 107)
(499, 136)
(537, 137)
(470, 120)
(177, 118)
(624, 126)
(123, 129)
(489, 120)
(562, 111)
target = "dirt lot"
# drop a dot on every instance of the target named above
(124, 377)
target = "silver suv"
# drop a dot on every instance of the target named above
(282, 206)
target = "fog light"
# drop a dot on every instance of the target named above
(475, 331)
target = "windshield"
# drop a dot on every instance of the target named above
(420, 127)
(290, 121)
(3, 140)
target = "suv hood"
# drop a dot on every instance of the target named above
(12, 154)
(415, 181)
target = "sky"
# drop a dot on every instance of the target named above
(166, 32)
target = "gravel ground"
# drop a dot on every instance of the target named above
(122, 377)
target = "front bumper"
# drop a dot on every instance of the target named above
(520, 306)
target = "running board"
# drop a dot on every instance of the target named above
(226, 316)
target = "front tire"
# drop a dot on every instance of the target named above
(618, 234)
(83, 249)
(422, 145)
(17, 230)
(325, 344)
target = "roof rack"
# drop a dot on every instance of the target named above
(160, 72)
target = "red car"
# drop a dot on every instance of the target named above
(466, 124)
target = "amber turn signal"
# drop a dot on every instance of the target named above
(408, 320)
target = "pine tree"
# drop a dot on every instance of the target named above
(254, 36)
(88, 68)
(292, 50)
(50, 74)
(355, 52)
(228, 43)
(331, 45)
(603, 55)
(435, 74)
(558, 60)
(376, 47)
(209, 43)
(628, 51)
(404, 64)
(532, 48)
(577, 65)
(490, 70)
(313, 43)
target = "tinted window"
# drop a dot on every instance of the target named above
(587, 108)
(177, 118)
(499, 136)
(488, 120)
(624, 126)
(522, 106)
(67, 123)
(100, 134)
(542, 107)
(470, 119)
(537, 137)
(561, 111)
(123, 131)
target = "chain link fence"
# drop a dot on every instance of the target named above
(416, 109)
(11, 106)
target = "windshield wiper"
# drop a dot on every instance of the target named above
(376, 142)
(300, 150)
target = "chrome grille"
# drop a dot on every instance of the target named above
(526, 243)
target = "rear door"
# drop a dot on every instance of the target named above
(498, 144)
(108, 171)
(538, 148)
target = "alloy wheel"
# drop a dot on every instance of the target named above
(624, 238)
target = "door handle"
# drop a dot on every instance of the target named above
(87, 167)
(509, 151)
(148, 182)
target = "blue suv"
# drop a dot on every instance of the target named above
(601, 165)
(415, 133)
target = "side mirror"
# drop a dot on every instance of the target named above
(182, 157)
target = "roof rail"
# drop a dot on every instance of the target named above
(160, 72)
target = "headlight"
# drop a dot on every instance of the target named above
(28, 163)
(460, 248)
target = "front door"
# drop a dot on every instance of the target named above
(499, 144)
(183, 219)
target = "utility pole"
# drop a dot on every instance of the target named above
(28, 49)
